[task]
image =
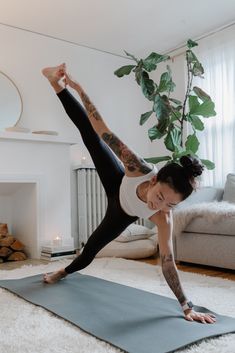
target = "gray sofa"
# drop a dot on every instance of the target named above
(206, 243)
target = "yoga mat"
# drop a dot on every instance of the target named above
(133, 320)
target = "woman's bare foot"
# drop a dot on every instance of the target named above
(54, 74)
(54, 277)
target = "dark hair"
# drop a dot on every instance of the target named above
(181, 177)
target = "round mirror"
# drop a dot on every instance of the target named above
(11, 105)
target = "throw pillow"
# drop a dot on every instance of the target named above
(135, 232)
(130, 250)
(229, 189)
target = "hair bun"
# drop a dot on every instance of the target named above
(191, 165)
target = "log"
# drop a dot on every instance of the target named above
(7, 240)
(17, 245)
(17, 256)
(3, 229)
(5, 252)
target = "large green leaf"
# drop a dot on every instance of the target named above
(138, 71)
(144, 117)
(147, 85)
(191, 57)
(150, 63)
(156, 160)
(194, 104)
(163, 124)
(201, 94)
(206, 109)
(173, 139)
(196, 122)
(175, 115)
(124, 70)
(192, 143)
(166, 83)
(191, 44)
(161, 106)
(154, 133)
(197, 69)
(194, 64)
(209, 165)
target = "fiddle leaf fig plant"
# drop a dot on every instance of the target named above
(170, 114)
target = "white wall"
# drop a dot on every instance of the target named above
(24, 54)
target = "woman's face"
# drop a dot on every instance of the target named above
(161, 196)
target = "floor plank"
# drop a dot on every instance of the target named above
(200, 269)
(204, 270)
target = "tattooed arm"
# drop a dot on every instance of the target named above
(134, 165)
(164, 223)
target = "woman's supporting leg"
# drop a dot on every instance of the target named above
(114, 222)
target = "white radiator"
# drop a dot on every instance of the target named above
(92, 203)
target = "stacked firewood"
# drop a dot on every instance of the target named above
(11, 249)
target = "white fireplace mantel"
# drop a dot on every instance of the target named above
(43, 163)
(20, 136)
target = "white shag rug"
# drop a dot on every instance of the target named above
(26, 328)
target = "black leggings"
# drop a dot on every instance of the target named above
(110, 171)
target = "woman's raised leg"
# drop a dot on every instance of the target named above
(108, 166)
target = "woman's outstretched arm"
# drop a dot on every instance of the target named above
(134, 164)
(164, 223)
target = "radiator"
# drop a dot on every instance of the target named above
(91, 203)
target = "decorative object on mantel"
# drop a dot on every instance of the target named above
(17, 129)
(45, 132)
(11, 104)
(11, 249)
(57, 241)
(52, 252)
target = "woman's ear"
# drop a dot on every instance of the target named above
(153, 180)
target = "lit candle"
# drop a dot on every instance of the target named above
(83, 160)
(57, 241)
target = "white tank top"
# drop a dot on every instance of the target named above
(129, 200)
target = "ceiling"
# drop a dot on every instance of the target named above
(136, 26)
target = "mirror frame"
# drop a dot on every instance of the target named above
(21, 100)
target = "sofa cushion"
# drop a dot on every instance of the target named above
(229, 189)
(137, 249)
(223, 227)
(204, 194)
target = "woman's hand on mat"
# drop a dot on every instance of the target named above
(192, 315)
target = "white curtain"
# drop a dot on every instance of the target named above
(217, 140)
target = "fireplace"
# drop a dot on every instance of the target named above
(35, 198)
(19, 205)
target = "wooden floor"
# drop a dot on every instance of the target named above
(205, 270)
(200, 269)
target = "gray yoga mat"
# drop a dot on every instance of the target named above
(133, 320)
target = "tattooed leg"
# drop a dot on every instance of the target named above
(132, 162)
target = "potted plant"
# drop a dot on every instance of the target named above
(170, 114)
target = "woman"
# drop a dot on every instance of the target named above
(134, 188)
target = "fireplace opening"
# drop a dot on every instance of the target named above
(18, 209)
